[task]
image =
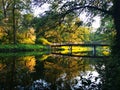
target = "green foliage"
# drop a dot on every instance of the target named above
(12, 18)
(71, 30)
(27, 20)
(106, 32)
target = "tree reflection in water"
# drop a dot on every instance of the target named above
(16, 72)
(54, 73)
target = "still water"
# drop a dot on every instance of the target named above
(50, 72)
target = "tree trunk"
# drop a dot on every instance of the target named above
(113, 65)
(116, 16)
(4, 10)
(14, 24)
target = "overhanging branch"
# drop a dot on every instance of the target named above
(87, 6)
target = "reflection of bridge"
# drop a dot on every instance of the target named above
(70, 45)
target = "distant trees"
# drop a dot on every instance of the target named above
(68, 31)
(11, 13)
(51, 27)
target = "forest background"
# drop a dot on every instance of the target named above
(61, 23)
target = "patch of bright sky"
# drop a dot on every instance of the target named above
(95, 24)
(40, 10)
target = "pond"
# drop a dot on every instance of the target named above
(50, 72)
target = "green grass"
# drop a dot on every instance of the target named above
(22, 47)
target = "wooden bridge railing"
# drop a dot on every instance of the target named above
(78, 44)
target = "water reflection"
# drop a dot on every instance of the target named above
(16, 71)
(48, 72)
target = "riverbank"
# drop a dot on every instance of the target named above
(22, 47)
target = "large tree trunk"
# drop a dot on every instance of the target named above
(116, 16)
(113, 65)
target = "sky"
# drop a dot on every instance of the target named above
(96, 23)
(40, 10)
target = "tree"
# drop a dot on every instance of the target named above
(26, 36)
(11, 12)
(106, 32)
(102, 8)
(14, 21)
(70, 30)
(53, 29)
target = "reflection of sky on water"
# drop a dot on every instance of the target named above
(75, 83)
(40, 85)
(87, 76)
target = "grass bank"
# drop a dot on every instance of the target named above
(22, 47)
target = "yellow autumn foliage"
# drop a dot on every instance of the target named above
(74, 49)
(44, 41)
(106, 51)
(69, 66)
(29, 62)
(2, 66)
(2, 32)
(44, 57)
(27, 37)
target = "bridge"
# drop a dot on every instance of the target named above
(78, 44)
(70, 45)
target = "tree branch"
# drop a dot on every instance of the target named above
(87, 6)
